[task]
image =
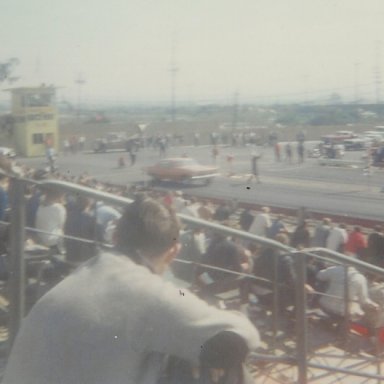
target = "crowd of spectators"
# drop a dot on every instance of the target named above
(51, 214)
(325, 280)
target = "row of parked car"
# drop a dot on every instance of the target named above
(334, 145)
(354, 142)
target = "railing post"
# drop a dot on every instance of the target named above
(301, 319)
(347, 300)
(17, 266)
(275, 299)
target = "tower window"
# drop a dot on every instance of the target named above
(38, 138)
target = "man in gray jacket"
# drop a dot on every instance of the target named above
(115, 320)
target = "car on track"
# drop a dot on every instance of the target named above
(338, 137)
(181, 170)
(357, 144)
(375, 137)
(117, 141)
(112, 140)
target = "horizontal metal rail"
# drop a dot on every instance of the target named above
(301, 358)
(123, 201)
(346, 371)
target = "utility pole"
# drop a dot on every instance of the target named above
(357, 86)
(174, 69)
(377, 71)
(235, 111)
(38, 69)
(306, 90)
(80, 81)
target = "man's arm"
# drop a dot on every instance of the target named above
(226, 350)
(181, 325)
(323, 275)
(362, 293)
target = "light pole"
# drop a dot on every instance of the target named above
(377, 71)
(174, 69)
(235, 111)
(80, 81)
(357, 91)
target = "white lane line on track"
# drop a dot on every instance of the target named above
(329, 188)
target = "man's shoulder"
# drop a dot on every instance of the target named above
(110, 259)
(127, 273)
(333, 269)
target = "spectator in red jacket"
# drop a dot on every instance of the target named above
(356, 243)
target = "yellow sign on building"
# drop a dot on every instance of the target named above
(35, 120)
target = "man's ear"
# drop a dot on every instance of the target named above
(114, 237)
(172, 253)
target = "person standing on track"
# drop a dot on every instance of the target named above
(254, 168)
(215, 154)
(288, 153)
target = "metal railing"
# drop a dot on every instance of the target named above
(300, 358)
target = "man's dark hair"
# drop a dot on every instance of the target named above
(147, 226)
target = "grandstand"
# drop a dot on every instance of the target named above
(302, 344)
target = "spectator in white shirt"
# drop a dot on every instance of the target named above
(337, 238)
(50, 219)
(178, 201)
(189, 209)
(104, 215)
(261, 223)
(334, 302)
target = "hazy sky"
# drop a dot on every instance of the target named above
(262, 49)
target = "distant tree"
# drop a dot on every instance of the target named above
(6, 70)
